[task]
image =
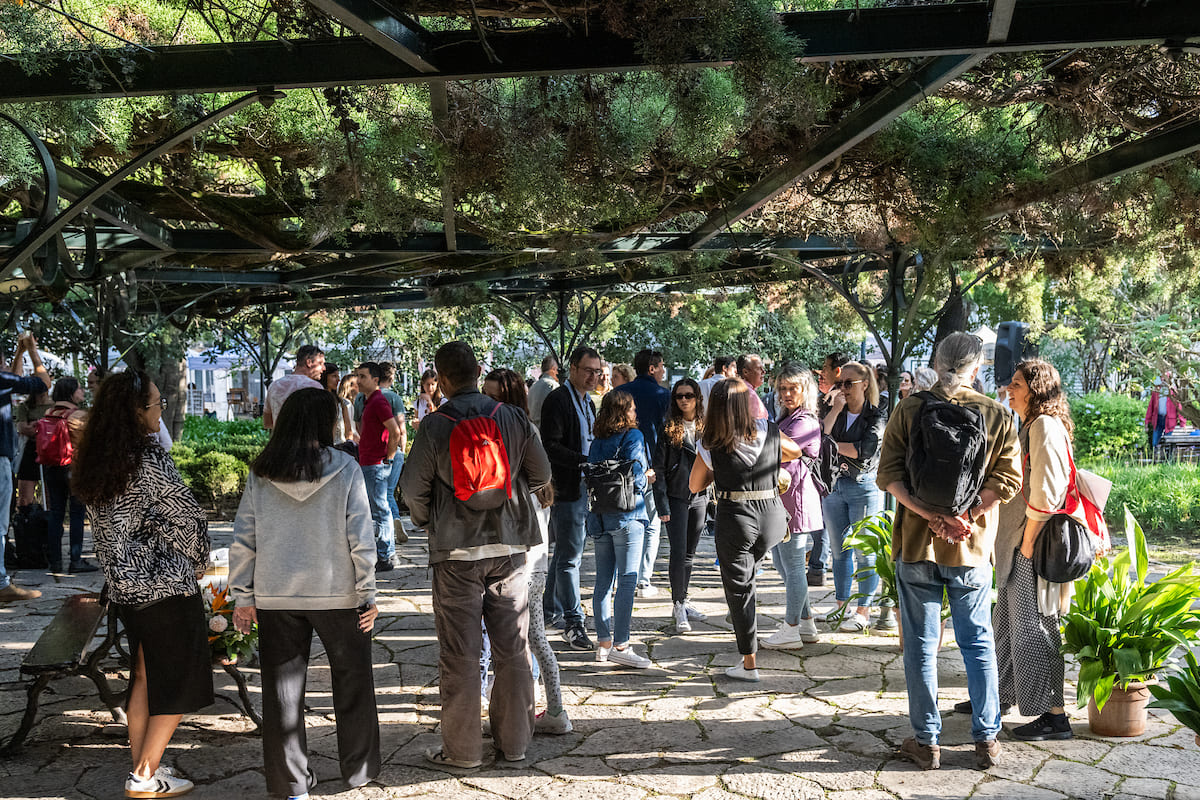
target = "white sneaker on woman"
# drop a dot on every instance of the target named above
(808, 631)
(628, 657)
(693, 613)
(681, 619)
(854, 622)
(740, 673)
(786, 638)
(159, 784)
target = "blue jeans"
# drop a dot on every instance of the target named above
(788, 558)
(57, 485)
(921, 586)
(393, 481)
(567, 520)
(618, 554)
(650, 545)
(377, 477)
(851, 500)
(6, 490)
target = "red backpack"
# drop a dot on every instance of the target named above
(478, 460)
(54, 448)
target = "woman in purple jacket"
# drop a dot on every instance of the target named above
(797, 395)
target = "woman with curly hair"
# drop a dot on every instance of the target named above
(618, 536)
(686, 510)
(151, 539)
(1027, 609)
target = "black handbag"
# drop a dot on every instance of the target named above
(1065, 548)
(610, 484)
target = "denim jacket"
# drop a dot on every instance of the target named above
(627, 446)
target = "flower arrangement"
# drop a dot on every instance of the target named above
(227, 643)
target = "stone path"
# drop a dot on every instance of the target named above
(823, 723)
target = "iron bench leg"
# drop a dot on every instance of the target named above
(31, 706)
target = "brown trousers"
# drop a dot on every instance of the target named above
(465, 594)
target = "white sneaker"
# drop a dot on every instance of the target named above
(808, 631)
(159, 784)
(853, 623)
(556, 724)
(602, 653)
(628, 657)
(647, 590)
(694, 614)
(786, 638)
(681, 619)
(740, 673)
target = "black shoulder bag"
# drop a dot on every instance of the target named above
(610, 484)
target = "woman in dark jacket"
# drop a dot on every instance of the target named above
(151, 539)
(856, 423)
(684, 513)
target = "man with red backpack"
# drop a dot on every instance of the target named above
(468, 481)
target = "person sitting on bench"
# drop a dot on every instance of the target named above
(151, 539)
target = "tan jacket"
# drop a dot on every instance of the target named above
(912, 541)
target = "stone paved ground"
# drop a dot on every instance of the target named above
(823, 723)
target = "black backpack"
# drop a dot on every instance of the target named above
(947, 454)
(610, 484)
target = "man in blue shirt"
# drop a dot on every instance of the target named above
(652, 401)
(13, 381)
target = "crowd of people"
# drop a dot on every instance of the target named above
(507, 484)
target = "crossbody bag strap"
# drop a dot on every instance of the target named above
(1071, 502)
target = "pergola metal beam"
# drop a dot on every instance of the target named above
(1140, 154)
(393, 33)
(1000, 20)
(114, 209)
(853, 129)
(867, 34)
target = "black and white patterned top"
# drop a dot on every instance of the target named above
(152, 539)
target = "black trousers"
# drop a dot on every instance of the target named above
(284, 641)
(683, 533)
(745, 532)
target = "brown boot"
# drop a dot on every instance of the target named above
(12, 593)
(926, 756)
(987, 754)
(401, 534)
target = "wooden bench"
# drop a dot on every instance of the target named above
(62, 650)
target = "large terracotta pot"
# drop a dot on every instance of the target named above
(1124, 714)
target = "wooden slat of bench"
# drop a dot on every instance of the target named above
(65, 641)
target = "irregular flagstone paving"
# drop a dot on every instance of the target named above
(823, 724)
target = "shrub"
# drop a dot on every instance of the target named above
(215, 474)
(1107, 425)
(1165, 497)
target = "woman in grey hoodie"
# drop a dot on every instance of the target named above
(303, 560)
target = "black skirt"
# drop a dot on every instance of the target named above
(28, 469)
(173, 635)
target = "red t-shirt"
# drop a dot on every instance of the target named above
(372, 445)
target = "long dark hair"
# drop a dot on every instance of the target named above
(1046, 395)
(673, 430)
(114, 439)
(64, 389)
(614, 414)
(512, 388)
(729, 419)
(296, 449)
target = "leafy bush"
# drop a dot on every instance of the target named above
(1164, 497)
(215, 474)
(1107, 425)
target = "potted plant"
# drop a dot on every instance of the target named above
(1181, 694)
(1123, 631)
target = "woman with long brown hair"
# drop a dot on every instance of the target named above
(673, 460)
(618, 536)
(1025, 619)
(506, 386)
(151, 539)
(742, 456)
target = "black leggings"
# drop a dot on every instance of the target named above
(683, 533)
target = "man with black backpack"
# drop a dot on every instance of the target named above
(13, 381)
(949, 457)
(468, 482)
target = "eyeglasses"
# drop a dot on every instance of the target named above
(847, 384)
(591, 371)
(162, 403)
(686, 396)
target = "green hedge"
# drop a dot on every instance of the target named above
(1107, 425)
(1165, 498)
(213, 457)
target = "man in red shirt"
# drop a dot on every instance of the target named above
(379, 439)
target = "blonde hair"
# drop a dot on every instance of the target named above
(865, 373)
(729, 420)
(795, 373)
(626, 371)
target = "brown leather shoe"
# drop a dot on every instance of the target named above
(925, 756)
(13, 593)
(987, 754)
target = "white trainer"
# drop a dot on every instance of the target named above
(808, 631)
(786, 638)
(681, 619)
(647, 590)
(740, 673)
(602, 653)
(556, 724)
(853, 623)
(628, 657)
(159, 784)
(693, 613)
